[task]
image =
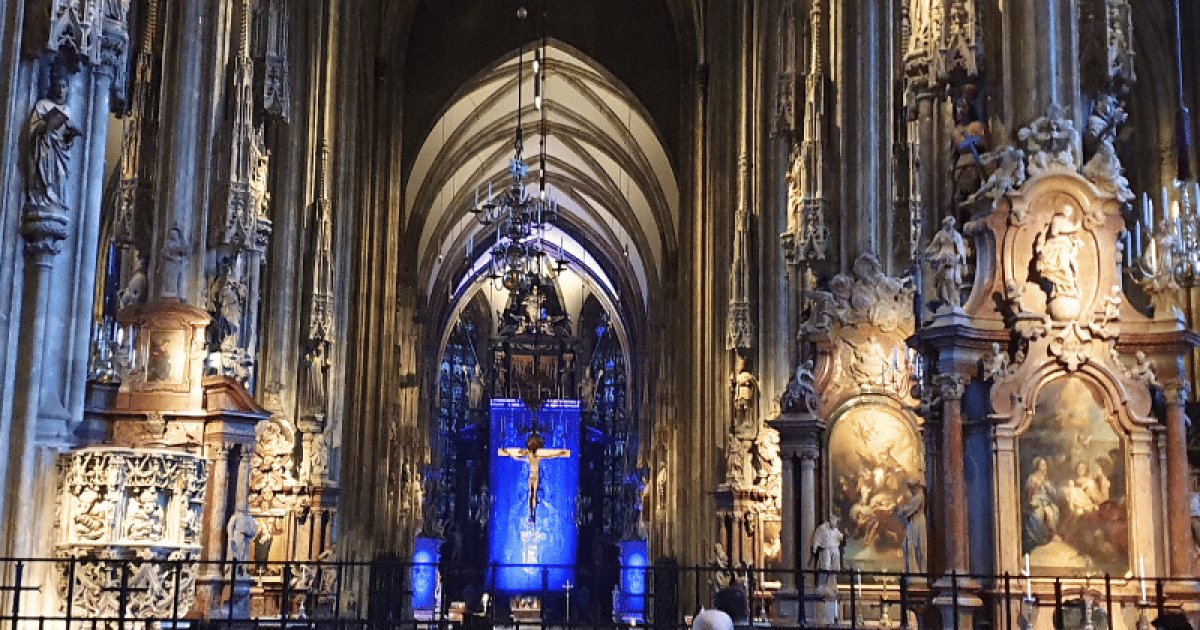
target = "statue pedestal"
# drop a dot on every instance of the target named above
(957, 599)
(218, 597)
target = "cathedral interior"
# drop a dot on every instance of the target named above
(881, 313)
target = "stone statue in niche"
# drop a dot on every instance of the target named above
(745, 399)
(240, 531)
(970, 143)
(1058, 248)
(317, 364)
(475, 388)
(50, 138)
(174, 263)
(947, 255)
(135, 290)
(737, 454)
(316, 456)
(144, 516)
(1104, 167)
(587, 388)
(228, 297)
(718, 559)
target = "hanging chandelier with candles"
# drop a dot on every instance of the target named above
(519, 260)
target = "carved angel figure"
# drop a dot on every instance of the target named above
(996, 365)
(50, 139)
(1104, 167)
(174, 263)
(1008, 173)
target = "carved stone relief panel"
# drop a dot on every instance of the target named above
(139, 505)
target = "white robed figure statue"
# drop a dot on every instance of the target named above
(533, 453)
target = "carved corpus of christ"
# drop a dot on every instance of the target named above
(533, 453)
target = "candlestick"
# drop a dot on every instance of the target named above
(1028, 580)
(1142, 575)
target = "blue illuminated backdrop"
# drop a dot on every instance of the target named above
(551, 539)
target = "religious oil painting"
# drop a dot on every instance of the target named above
(876, 472)
(1073, 512)
(165, 356)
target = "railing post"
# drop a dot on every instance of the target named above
(904, 601)
(954, 595)
(286, 603)
(853, 602)
(18, 576)
(175, 593)
(123, 595)
(70, 603)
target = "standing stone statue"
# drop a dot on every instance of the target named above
(745, 398)
(912, 511)
(947, 255)
(318, 364)
(174, 263)
(827, 549)
(241, 531)
(587, 388)
(475, 388)
(50, 139)
(1058, 248)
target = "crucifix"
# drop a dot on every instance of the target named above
(534, 454)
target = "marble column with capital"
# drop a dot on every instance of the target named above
(954, 493)
(1179, 533)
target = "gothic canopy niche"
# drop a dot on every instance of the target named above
(606, 165)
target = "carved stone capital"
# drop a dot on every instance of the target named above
(1176, 392)
(44, 228)
(950, 386)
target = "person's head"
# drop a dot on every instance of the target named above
(1081, 468)
(732, 601)
(1172, 621)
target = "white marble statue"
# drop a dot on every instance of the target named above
(475, 388)
(174, 263)
(1058, 249)
(827, 548)
(240, 530)
(144, 516)
(947, 255)
(996, 364)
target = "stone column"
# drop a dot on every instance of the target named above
(178, 189)
(955, 597)
(44, 228)
(951, 388)
(210, 580)
(1179, 533)
(89, 225)
(1041, 53)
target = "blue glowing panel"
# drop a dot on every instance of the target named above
(425, 573)
(550, 538)
(632, 602)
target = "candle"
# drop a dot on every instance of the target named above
(1142, 575)
(1166, 202)
(1137, 237)
(1028, 581)
(1147, 211)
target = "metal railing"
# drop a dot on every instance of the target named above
(94, 593)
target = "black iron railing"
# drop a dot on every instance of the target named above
(135, 593)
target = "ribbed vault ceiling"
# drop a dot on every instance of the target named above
(606, 164)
